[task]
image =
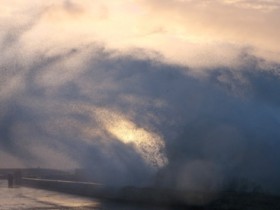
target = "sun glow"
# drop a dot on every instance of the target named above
(147, 143)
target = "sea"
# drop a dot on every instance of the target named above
(24, 198)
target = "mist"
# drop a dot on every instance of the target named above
(137, 117)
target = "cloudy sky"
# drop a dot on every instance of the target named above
(184, 88)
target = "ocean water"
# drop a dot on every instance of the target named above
(22, 198)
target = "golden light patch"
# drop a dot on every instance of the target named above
(147, 143)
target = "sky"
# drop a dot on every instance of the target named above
(184, 92)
